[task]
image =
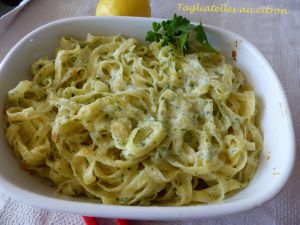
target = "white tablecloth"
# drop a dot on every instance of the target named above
(277, 36)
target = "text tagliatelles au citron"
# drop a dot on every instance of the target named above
(226, 8)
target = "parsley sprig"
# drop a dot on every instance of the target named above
(177, 32)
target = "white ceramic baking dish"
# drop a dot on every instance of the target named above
(279, 146)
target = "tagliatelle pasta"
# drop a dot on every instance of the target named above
(132, 124)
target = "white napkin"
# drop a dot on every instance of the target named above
(7, 18)
(277, 36)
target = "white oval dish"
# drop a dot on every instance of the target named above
(279, 145)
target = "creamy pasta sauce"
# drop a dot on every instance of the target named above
(133, 124)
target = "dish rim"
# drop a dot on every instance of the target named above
(156, 212)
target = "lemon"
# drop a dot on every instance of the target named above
(123, 8)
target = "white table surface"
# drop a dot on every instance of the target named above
(276, 36)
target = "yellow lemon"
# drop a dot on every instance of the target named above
(123, 8)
